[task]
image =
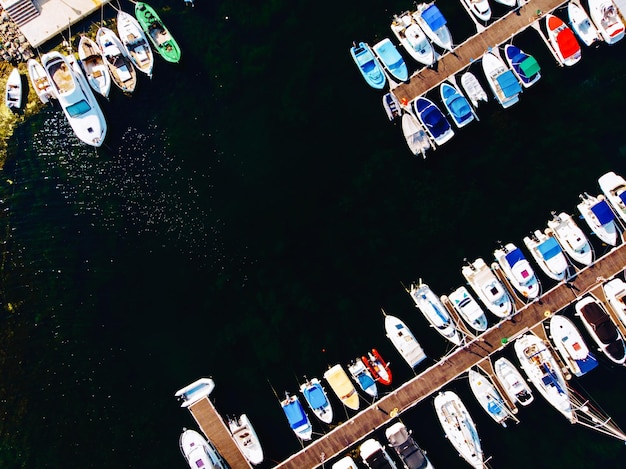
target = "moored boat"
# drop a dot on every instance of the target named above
(613, 186)
(599, 216)
(369, 66)
(433, 120)
(513, 382)
(488, 397)
(121, 69)
(615, 293)
(472, 87)
(296, 416)
(434, 24)
(391, 106)
(415, 135)
(548, 254)
(375, 456)
(135, 42)
(96, 70)
(502, 81)
(456, 104)
(345, 463)
(479, 8)
(605, 16)
(543, 371)
(488, 288)
(517, 269)
(571, 345)
(581, 23)
(570, 237)
(246, 438)
(363, 377)
(154, 28)
(13, 91)
(524, 66)
(434, 311)
(342, 386)
(200, 452)
(562, 40)
(413, 39)
(378, 367)
(459, 427)
(195, 391)
(38, 78)
(391, 60)
(317, 399)
(409, 452)
(468, 308)
(601, 328)
(404, 341)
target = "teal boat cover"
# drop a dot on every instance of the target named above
(509, 84)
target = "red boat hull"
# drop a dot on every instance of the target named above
(377, 367)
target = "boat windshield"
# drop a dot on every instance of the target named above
(79, 108)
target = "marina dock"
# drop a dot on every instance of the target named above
(474, 47)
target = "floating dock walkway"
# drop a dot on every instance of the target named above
(474, 48)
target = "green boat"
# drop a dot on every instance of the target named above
(156, 31)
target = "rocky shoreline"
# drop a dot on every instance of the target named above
(14, 46)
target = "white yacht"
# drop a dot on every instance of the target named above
(607, 19)
(434, 24)
(488, 397)
(468, 308)
(513, 382)
(246, 438)
(613, 186)
(317, 399)
(570, 237)
(547, 254)
(503, 82)
(601, 328)
(615, 292)
(517, 269)
(199, 452)
(434, 311)
(599, 217)
(413, 39)
(404, 341)
(571, 346)
(488, 288)
(375, 456)
(75, 97)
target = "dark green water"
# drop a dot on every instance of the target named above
(251, 213)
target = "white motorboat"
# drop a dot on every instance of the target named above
(459, 427)
(415, 135)
(517, 269)
(195, 391)
(488, 397)
(570, 237)
(571, 345)
(375, 456)
(246, 438)
(363, 377)
(479, 8)
(413, 39)
(615, 292)
(120, 66)
(135, 42)
(345, 463)
(38, 78)
(434, 311)
(605, 16)
(409, 452)
(404, 341)
(13, 92)
(468, 308)
(613, 186)
(342, 386)
(473, 89)
(433, 120)
(96, 70)
(488, 288)
(75, 97)
(502, 81)
(199, 452)
(508, 3)
(296, 416)
(317, 399)
(601, 328)
(548, 254)
(513, 382)
(599, 216)
(391, 105)
(562, 40)
(543, 371)
(581, 23)
(434, 25)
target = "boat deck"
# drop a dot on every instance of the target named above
(529, 317)
(473, 48)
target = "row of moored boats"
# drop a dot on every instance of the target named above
(110, 59)
(424, 35)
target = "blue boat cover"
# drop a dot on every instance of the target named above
(295, 414)
(459, 107)
(588, 364)
(509, 84)
(365, 381)
(433, 17)
(434, 119)
(603, 212)
(315, 396)
(494, 407)
(514, 257)
(549, 248)
(622, 197)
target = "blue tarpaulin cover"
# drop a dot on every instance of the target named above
(514, 257)
(295, 414)
(603, 212)
(315, 396)
(433, 17)
(509, 84)
(549, 248)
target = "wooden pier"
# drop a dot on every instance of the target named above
(474, 48)
(529, 317)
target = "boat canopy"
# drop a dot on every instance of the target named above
(514, 256)
(295, 414)
(549, 249)
(315, 396)
(529, 66)
(365, 381)
(509, 84)
(603, 212)
(459, 107)
(567, 43)
(494, 407)
(433, 17)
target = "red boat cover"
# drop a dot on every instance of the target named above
(567, 43)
